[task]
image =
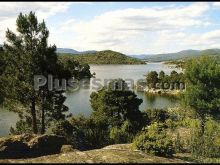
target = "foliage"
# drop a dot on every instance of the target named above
(22, 126)
(121, 134)
(152, 78)
(155, 141)
(112, 106)
(207, 145)
(178, 144)
(74, 68)
(72, 134)
(157, 115)
(174, 79)
(203, 87)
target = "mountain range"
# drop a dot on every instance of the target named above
(151, 57)
(177, 56)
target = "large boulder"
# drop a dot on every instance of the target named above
(13, 147)
(46, 144)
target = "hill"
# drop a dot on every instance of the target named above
(179, 55)
(103, 57)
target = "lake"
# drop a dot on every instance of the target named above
(78, 101)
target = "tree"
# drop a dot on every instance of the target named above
(203, 87)
(152, 78)
(114, 104)
(161, 76)
(27, 54)
(22, 56)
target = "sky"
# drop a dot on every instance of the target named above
(131, 28)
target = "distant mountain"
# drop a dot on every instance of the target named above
(72, 51)
(179, 55)
(103, 57)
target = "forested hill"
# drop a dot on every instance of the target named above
(103, 57)
(179, 55)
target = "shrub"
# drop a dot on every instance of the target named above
(157, 115)
(208, 144)
(155, 141)
(71, 133)
(122, 134)
(96, 134)
(178, 144)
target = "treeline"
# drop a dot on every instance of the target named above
(163, 81)
(103, 57)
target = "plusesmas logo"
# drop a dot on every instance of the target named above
(97, 84)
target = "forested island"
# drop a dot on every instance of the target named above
(116, 127)
(162, 84)
(103, 57)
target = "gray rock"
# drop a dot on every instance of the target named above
(46, 144)
(12, 148)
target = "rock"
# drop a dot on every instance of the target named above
(67, 148)
(46, 144)
(13, 147)
(111, 154)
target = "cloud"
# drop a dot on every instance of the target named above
(216, 4)
(10, 10)
(156, 29)
(119, 29)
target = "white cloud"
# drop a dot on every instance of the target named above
(10, 10)
(156, 29)
(216, 4)
(119, 29)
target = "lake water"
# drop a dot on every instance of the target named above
(78, 101)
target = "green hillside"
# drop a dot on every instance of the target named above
(185, 54)
(103, 57)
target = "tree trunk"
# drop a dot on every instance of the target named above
(202, 124)
(34, 118)
(43, 116)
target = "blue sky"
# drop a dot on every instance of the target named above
(127, 27)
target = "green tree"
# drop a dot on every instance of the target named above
(161, 76)
(27, 54)
(114, 104)
(152, 78)
(203, 87)
(22, 56)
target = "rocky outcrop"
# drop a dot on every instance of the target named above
(111, 154)
(46, 144)
(23, 146)
(13, 148)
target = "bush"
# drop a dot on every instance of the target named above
(157, 115)
(96, 134)
(208, 144)
(22, 127)
(122, 134)
(178, 144)
(155, 141)
(71, 133)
